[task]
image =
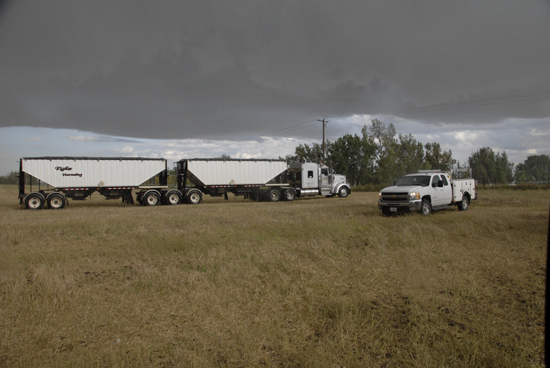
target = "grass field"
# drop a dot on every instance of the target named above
(312, 283)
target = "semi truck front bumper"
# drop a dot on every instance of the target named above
(400, 207)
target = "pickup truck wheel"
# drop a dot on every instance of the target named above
(463, 205)
(343, 192)
(426, 208)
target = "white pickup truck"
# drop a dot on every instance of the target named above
(427, 191)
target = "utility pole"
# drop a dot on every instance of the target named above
(325, 122)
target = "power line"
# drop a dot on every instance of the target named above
(531, 96)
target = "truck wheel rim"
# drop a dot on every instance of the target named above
(426, 208)
(152, 200)
(194, 198)
(55, 203)
(173, 198)
(34, 203)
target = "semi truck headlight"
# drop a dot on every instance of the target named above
(415, 195)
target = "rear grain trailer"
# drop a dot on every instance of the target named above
(52, 180)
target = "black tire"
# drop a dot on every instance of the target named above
(194, 197)
(34, 201)
(151, 198)
(273, 195)
(426, 207)
(289, 195)
(464, 204)
(343, 192)
(172, 198)
(56, 201)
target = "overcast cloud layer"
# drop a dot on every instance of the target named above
(232, 69)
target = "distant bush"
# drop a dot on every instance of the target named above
(11, 178)
(367, 188)
(514, 187)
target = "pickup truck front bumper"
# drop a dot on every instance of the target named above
(411, 206)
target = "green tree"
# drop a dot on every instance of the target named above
(504, 170)
(535, 168)
(305, 153)
(387, 169)
(347, 157)
(410, 154)
(483, 165)
(438, 159)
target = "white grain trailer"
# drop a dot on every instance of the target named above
(58, 178)
(257, 179)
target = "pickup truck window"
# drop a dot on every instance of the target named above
(422, 180)
(445, 182)
(435, 181)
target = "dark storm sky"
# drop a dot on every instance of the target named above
(229, 69)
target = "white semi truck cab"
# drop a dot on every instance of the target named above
(311, 179)
(427, 191)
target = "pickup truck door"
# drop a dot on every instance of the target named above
(447, 190)
(442, 191)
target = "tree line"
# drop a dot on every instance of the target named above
(379, 156)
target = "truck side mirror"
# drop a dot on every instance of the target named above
(440, 184)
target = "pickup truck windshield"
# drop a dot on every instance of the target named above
(422, 180)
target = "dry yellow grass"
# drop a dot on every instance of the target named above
(313, 283)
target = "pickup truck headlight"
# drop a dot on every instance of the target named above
(414, 195)
(379, 195)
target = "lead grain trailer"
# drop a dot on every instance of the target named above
(52, 180)
(257, 179)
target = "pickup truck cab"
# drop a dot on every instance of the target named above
(427, 191)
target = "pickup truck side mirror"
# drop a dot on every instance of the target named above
(440, 184)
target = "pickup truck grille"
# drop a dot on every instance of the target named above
(395, 197)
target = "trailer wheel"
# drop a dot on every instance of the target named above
(151, 199)
(34, 201)
(194, 197)
(56, 201)
(273, 195)
(289, 195)
(463, 205)
(343, 192)
(426, 208)
(173, 197)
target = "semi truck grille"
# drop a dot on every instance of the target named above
(395, 197)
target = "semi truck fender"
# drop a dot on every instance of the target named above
(337, 189)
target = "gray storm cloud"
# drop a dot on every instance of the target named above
(234, 68)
